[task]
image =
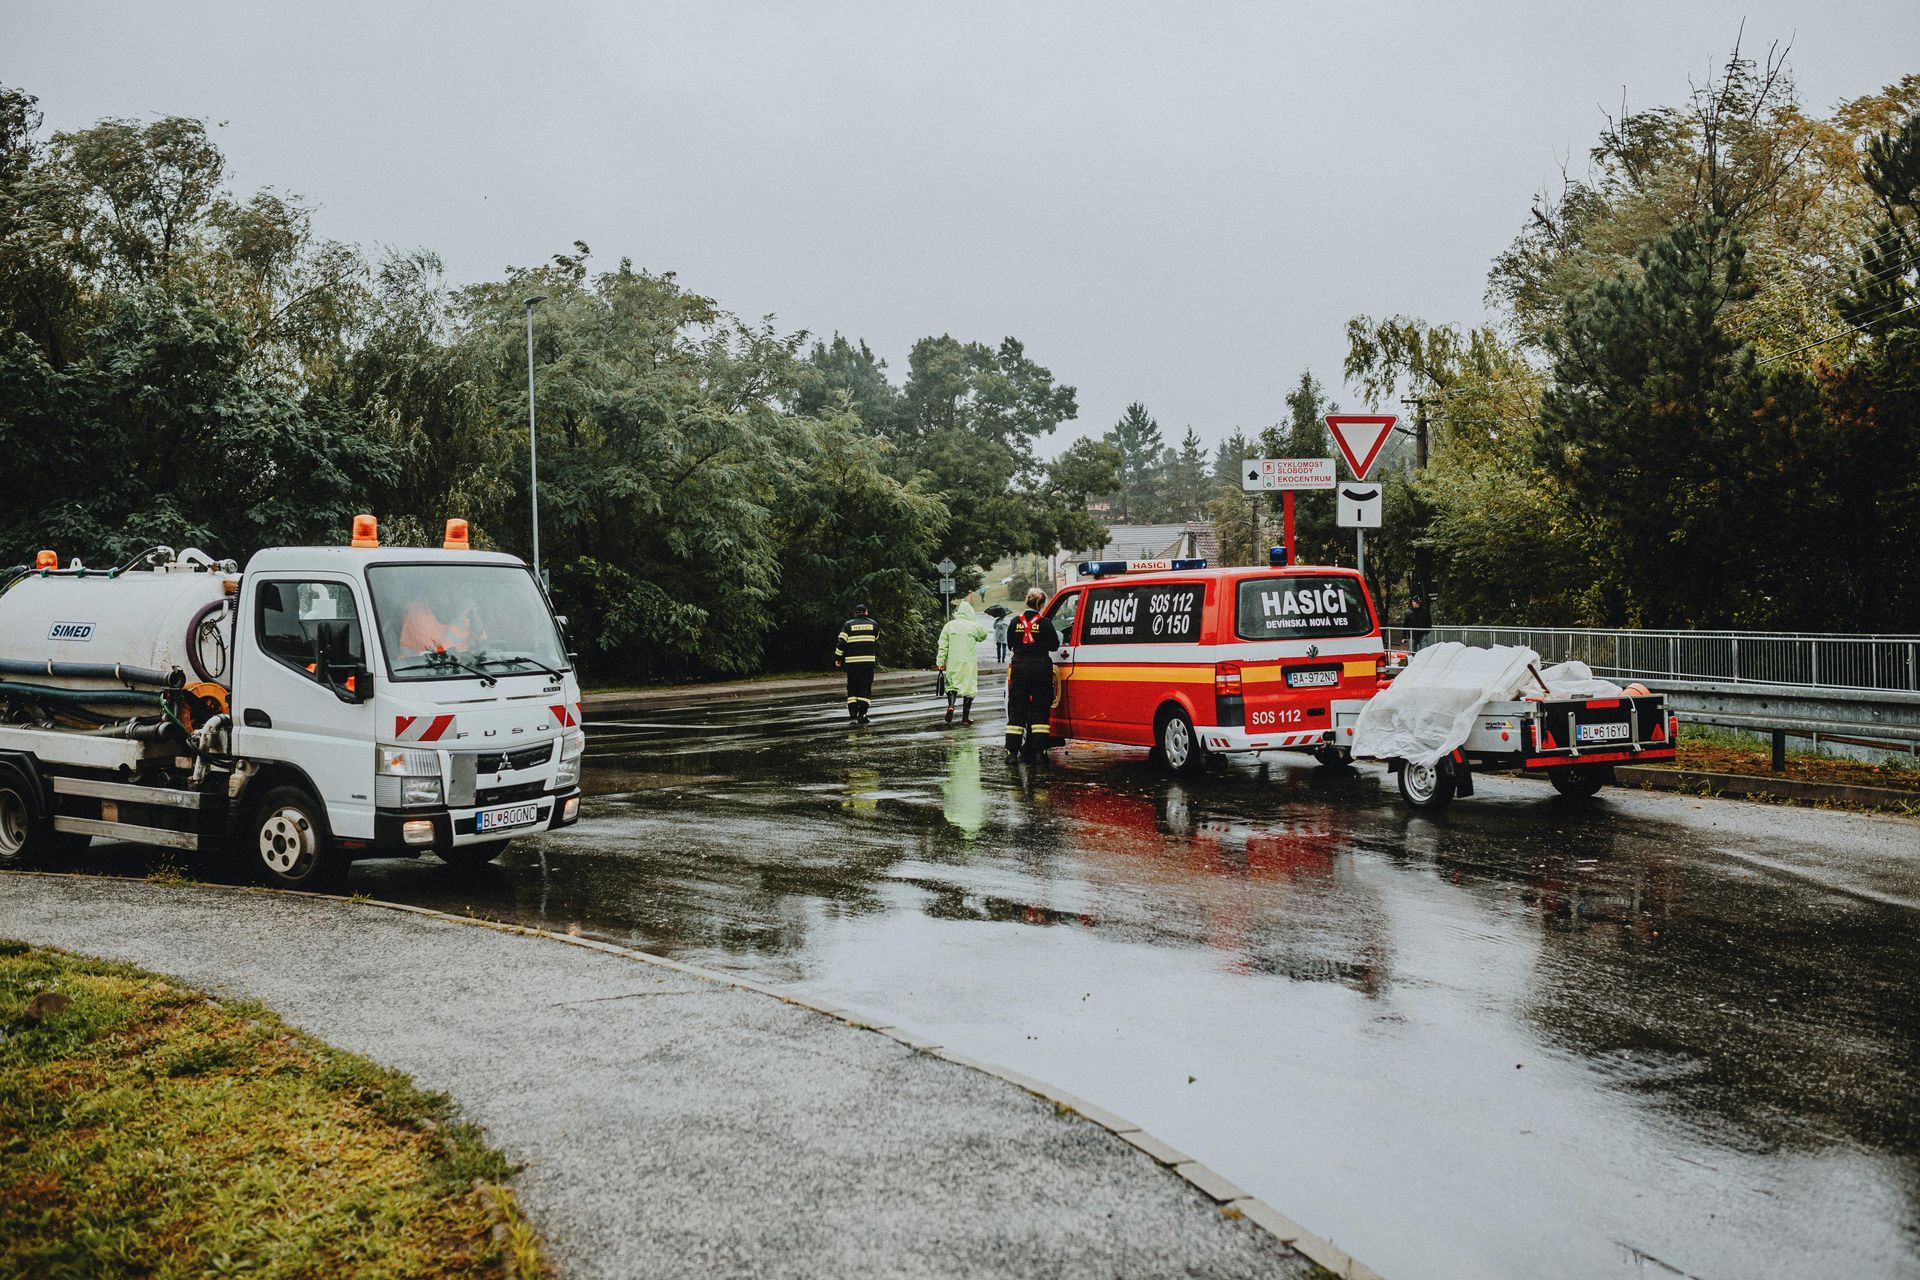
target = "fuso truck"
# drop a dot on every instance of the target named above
(328, 704)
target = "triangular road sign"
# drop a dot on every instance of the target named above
(1360, 437)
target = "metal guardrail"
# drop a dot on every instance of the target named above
(1809, 660)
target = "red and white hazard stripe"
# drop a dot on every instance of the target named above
(567, 717)
(421, 728)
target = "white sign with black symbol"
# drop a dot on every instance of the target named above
(946, 586)
(1359, 505)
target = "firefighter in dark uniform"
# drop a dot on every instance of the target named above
(855, 652)
(1031, 641)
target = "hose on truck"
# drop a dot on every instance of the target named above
(90, 671)
(51, 693)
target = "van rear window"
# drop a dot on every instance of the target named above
(1300, 607)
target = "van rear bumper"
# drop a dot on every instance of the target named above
(455, 827)
(1236, 740)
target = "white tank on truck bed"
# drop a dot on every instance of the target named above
(69, 630)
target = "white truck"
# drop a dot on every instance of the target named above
(326, 705)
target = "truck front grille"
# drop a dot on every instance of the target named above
(525, 758)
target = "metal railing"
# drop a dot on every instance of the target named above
(1728, 657)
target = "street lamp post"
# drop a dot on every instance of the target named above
(533, 451)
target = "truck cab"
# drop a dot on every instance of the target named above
(326, 704)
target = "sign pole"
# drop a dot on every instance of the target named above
(1286, 515)
(1360, 542)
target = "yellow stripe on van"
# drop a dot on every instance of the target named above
(1143, 674)
(1367, 668)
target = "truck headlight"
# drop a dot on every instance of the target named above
(406, 777)
(567, 773)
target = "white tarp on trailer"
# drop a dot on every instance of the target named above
(1429, 708)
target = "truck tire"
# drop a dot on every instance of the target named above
(1179, 748)
(1581, 781)
(20, 818)
(288, 843)
(469, 856)
(1426, 787)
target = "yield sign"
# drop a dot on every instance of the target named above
(1360, 437)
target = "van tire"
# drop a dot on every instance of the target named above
(287, 842)
(1177, 743)
(468, 856)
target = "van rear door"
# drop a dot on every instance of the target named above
(1309, 622)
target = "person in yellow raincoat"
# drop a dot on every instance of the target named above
(959, 659)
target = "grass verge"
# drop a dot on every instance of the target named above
(149, 1130)
(1715, 751)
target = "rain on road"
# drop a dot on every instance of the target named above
(1650, 1035)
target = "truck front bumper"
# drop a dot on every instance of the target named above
(399, 833)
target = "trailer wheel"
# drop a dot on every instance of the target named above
(289, 841)
(1426, 786)
(1582, 781)
(468, 856)
(1180, 749)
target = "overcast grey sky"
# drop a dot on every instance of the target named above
(1176, 203)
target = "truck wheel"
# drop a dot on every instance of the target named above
(1580, 782)
(1427, 786)
(289, 841)
(1180, 749)
(19, 818)
(467, 856)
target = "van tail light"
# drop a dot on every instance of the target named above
(1390, 664)
(1226, 679)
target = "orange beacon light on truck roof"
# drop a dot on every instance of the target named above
(47, 560)
(366, 532)
(456, 536)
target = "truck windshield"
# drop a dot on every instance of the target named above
(1297, 607)
(447, 621)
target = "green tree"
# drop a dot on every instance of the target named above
(1136, 436)
(1681, 443)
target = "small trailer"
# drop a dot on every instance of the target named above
(1574, 742)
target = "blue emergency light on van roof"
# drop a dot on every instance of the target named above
(1276, 557)
(1106, 568)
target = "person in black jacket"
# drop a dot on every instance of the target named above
(1031, 641)
(1418, 620)
(855, 652)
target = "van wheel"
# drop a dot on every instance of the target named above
(467, 856)
(289, 842)
(1427, 786)
(1582, 781)
(1180, 749)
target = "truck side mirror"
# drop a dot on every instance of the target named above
(338, 667)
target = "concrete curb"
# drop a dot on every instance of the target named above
(1232, 1200)
(1752, 785)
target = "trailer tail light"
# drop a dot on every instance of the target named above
(46, 560)
(1226, 679)
(366, 531)
(456, 536)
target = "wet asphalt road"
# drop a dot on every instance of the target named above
(1651, 1035)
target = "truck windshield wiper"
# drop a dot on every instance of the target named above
(440, 662)
(529, 662)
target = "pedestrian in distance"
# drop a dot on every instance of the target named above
(1031, 640)
(1418, 620)
(959, 659)
(859, 638)
(1000, 625)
